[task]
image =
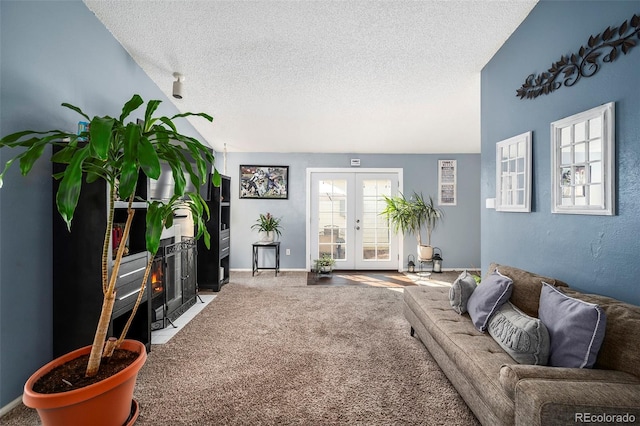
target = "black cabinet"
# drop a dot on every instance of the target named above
(77, 289)
(213, 264)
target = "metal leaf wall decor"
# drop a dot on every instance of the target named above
(571, 68)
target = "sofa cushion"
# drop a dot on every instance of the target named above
(526, 287)
(490, 295)
(619, 350)
(460, 292)
(524, 338)
(576, 328)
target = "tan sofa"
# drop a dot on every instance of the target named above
(501, 392)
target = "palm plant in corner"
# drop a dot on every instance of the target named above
(410, 215)
(116, 152)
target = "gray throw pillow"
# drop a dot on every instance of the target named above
(524, 338)
(576, 328)
(460, 292)
(487, 298)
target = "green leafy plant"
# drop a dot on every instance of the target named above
(409, 216)
(116, 152)
(268, 223)
(325, 261)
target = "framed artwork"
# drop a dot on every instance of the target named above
(264, 182)
(513, 174)
(447, 176)
(583, 162)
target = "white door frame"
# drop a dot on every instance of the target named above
(310, 170)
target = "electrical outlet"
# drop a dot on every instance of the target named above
(288, 252)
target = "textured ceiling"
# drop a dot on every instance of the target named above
(321, 76)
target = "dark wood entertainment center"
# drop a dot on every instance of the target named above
(77, 295)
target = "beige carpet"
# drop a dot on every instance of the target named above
(275, 351)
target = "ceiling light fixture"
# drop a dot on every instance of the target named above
(177, 85)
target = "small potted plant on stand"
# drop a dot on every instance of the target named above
(324, 265)
(410, 216)
(268, 227)
(117, 153)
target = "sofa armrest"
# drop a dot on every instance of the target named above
(510, 375)
(551, 402)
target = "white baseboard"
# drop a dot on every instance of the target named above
(10, 406)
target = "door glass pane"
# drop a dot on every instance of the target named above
(332, 218)
(374, 227)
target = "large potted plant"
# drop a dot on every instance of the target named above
(410, 216)
(268, 227)
(116, 152)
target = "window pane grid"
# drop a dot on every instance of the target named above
(513, 168)
(583, 158)
(583, 155)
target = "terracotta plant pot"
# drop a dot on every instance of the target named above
(105, 403)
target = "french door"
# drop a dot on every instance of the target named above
(345, 219)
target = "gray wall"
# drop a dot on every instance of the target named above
(458, 235)
(52, 52)
(597, 254)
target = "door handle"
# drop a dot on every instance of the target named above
(357, 228)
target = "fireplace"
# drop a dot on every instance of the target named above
(172, 281)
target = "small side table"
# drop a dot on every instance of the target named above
(275, 245)
(425, 274)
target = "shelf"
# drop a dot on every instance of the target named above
(213, 264)
(125, 204)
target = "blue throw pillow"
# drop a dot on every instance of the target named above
(487, 298)
(460, 291)
(576, 328)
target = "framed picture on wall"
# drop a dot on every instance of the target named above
(447, 190)
(264, 182)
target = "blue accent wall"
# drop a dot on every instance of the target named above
(52, 52)
(458, 235)
(597, 254)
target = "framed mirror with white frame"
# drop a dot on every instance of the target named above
(583, 162)
(513, 174)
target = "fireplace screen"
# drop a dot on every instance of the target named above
(172, 281)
